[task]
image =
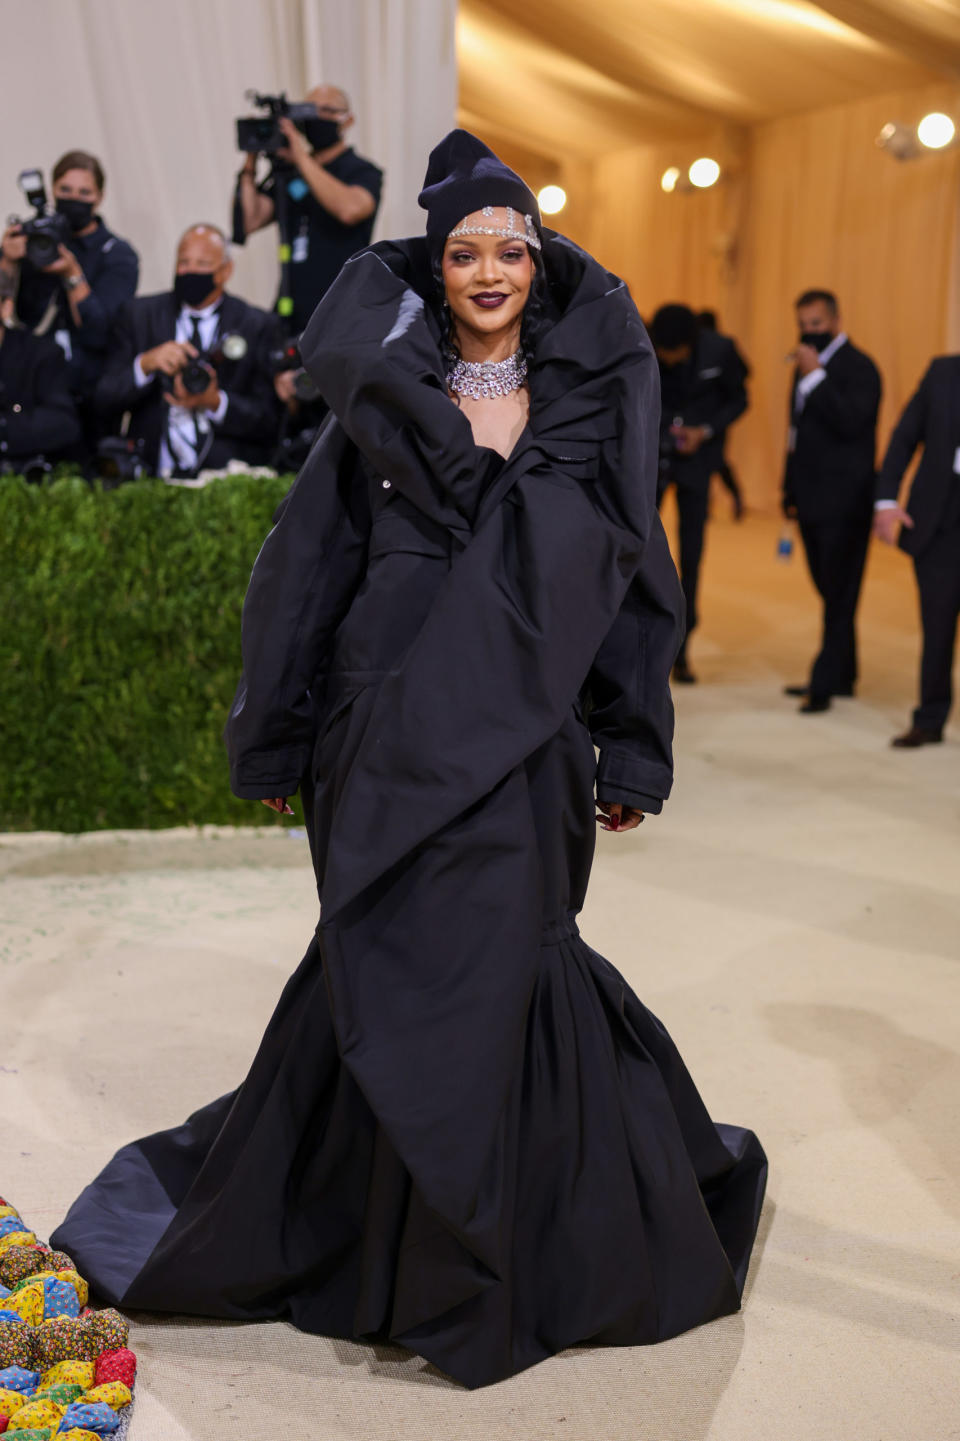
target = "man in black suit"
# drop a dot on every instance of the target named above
(702, 393)
(930, 533)
(236, 415)
(828, 483)
(707, 320)
(38, 419)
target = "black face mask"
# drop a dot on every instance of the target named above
(321, 133)
(819, 339)
(193, 287)
(77, 213)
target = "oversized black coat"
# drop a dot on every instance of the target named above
(462, 1131)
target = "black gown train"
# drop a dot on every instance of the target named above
(462, 1131)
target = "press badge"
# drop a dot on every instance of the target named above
(956, 461)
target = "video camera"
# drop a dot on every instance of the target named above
(47, 230)
(261, 134)
(287, 357)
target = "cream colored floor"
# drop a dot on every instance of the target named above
(793, 917)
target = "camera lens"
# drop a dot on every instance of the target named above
(195, 377)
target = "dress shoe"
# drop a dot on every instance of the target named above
(814, 704)
(916, 736)
(682, 673)
(804, 690)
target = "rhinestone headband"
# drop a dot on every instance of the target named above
(511, 231)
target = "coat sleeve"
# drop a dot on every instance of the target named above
(302, 585)
(48, 422)
(731, 391)
(117, 390)
(628, 703)
(847, 403)
(116, 284)
(907, 435)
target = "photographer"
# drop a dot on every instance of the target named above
(330, 198)
(192, 367)
(38, 421)
(702, 393)
(74, 299)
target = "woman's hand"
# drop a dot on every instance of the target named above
(617, 817)
(280, 805)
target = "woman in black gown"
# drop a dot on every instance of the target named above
(462, 1130)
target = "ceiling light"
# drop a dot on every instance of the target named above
(935, 131)
(669, 178)
(551, 199)
(703, 173)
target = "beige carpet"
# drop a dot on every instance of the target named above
(794, 918)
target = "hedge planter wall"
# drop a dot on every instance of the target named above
(120, 650)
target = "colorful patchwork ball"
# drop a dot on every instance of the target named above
(10, 1224)
(112, 1393)
(81, 1289)
(69, 1373)
(11, 1401)
(4, 1291)
(118, 1365)
(19, 1261)
(16, 1238)
(59, 1297)
(110, 1330)
(30, 1433)
(18, 1378)
(12, 1317)
(63, 1394)
(63, 1339)
(99, 1418)
(7, 1210)
(37, 1413)
(16, 1345)
(77, 1435)
(27, 1303)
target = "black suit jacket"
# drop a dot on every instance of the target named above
(931, 419)
(247, 432)
(711, 390)
(37, 413)
(831, 469)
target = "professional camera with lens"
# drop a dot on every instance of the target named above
(261, 134)
(287, 357)
(119, 459)
(195, 375)
(46, 231)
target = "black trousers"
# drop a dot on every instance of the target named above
(692, 504)
(938, 579)
(836, 553)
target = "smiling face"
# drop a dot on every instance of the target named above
(487, 280)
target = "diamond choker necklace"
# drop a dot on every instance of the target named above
(486, 379)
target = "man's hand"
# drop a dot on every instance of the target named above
(617, 817)
(297, 151)
(887, 522)
(689, 438)
(65, 265)
(208, 399)
(14, 245)
(806, 359)
(282, 807)
(167, 358)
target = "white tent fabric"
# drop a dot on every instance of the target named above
(153, 91)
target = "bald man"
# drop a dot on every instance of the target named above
(187, 428)
(330, 194)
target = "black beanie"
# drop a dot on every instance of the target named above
(462, 176)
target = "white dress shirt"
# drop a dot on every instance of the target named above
(187, 434)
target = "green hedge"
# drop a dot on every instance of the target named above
(120, 650)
